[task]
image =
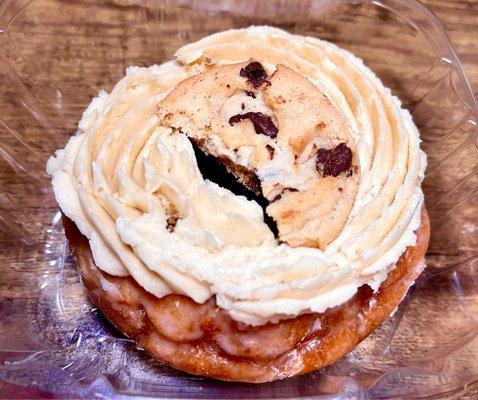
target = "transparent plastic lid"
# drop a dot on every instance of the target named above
(55, 56)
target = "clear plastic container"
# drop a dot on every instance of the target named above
(55, 56)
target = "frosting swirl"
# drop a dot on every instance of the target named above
(125, 173)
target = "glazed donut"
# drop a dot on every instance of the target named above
(203, 339)
(327, 223)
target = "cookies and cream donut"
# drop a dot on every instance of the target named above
(301, 123)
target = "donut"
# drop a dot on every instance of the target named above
(204, 340)
(249, 211)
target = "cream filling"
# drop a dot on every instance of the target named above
(120, 176)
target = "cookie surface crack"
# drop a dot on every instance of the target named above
(221, 173)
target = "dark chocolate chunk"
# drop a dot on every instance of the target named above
(171, 222)
(271, 151)
(262, 123)
(255, 74)
(250, 94)
(334, 161)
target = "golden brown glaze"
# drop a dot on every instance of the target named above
(202, 339)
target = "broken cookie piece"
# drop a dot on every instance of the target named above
(267, 139)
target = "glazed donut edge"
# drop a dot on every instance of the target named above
(209, 341)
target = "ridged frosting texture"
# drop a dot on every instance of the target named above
(120, 175)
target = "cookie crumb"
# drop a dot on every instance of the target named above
(271, 151)
(171, 222)
(167, 119)
(209, 61)
(280, 100)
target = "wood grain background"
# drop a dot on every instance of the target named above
(65, 42)
(460, 19)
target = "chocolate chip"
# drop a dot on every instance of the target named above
(255, 74)
(171, 222)
(243, 106)
(250, 94)
(271, 151)
(334, 161)
(262, 123)
(278, 197)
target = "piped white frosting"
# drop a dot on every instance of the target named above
(120, 175)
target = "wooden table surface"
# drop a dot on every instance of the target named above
(460, 19)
